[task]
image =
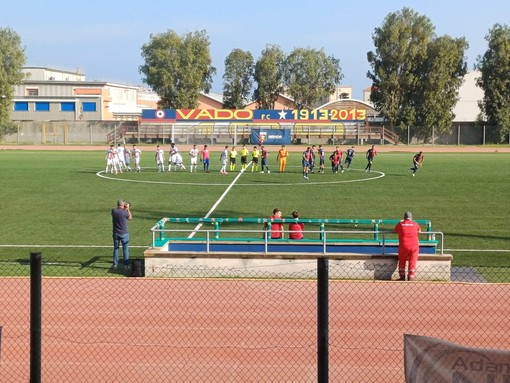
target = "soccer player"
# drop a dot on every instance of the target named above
(371, 153)
(255, 159)
(204, 157)
(193, 154)
(335, 160)
(349, 154)
(244, 157)
(408, 246)
(281, 157)
(116, 161)
(320, 153)
(127, 158)
(339, 155)
(263, 157)
(312, 159)
(171, 159)
(122, 157)
(109, 161)
(417, 162)
(177, 162)
(306, 162)
(224, 160)
(232, 156)
(160, 159)
(136, 155)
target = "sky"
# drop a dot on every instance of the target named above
(103, 39)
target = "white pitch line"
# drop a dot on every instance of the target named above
(218, 202)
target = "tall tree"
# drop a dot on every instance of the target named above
(12, 60)
(269, 77)
(401, 46)
(494, 67)
(310, 76)
(413, 71)
(178, 68)
(237, 79)
(441, 77)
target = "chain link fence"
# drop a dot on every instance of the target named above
(100, 324)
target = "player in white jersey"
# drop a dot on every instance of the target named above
(160, 159)
(111, 164)
(193, 153)
(177, 162)
(127, 158)
(171, 155)
(224, 159)
(120, 154)
(137, 153)
(116, 161)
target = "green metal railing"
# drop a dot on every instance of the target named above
(160, 229)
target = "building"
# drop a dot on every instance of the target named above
(48, 94)
(467, 109)
(341, 93)
(282, 102)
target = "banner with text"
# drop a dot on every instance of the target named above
(259, 116)
(435, 361)
(270, 136)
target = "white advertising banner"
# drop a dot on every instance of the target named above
(429, 360)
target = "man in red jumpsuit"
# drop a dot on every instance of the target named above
(408, 246)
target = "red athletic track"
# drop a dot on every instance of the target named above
(163, 330)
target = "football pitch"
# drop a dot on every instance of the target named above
(59, 202)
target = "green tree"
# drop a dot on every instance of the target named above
(178, 68)
(494, 67)
(401, 46)
(237, 79)
(415, 75)
(441, 77)
(269, 77)
(310, 76)
(12, 60)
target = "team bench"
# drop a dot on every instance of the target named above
(366, 254)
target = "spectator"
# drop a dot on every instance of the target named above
(120, 216)
(296, 228)
(276, 227)
(408, 246)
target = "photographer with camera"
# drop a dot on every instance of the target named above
(120, 217)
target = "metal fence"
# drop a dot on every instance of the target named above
(100, 324)
(103, 132)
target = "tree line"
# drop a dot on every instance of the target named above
(415, 74)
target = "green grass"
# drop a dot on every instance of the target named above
(56, 198)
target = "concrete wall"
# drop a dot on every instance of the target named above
(61, 132)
